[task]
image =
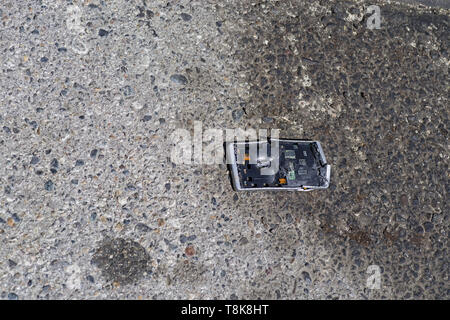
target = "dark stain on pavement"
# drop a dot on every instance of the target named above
(378, 102)
(121, 260)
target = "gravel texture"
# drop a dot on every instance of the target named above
(91, 206)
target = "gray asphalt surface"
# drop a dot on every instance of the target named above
(92, 207)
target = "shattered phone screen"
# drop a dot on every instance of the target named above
(297, 164)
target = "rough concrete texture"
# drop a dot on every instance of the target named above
(92, 207)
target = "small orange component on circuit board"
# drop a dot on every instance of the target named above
(282, 180)
(246, 157)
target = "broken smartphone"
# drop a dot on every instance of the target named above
(277, 164)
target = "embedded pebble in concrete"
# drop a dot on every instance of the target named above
(91, 93)
(179, 79)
